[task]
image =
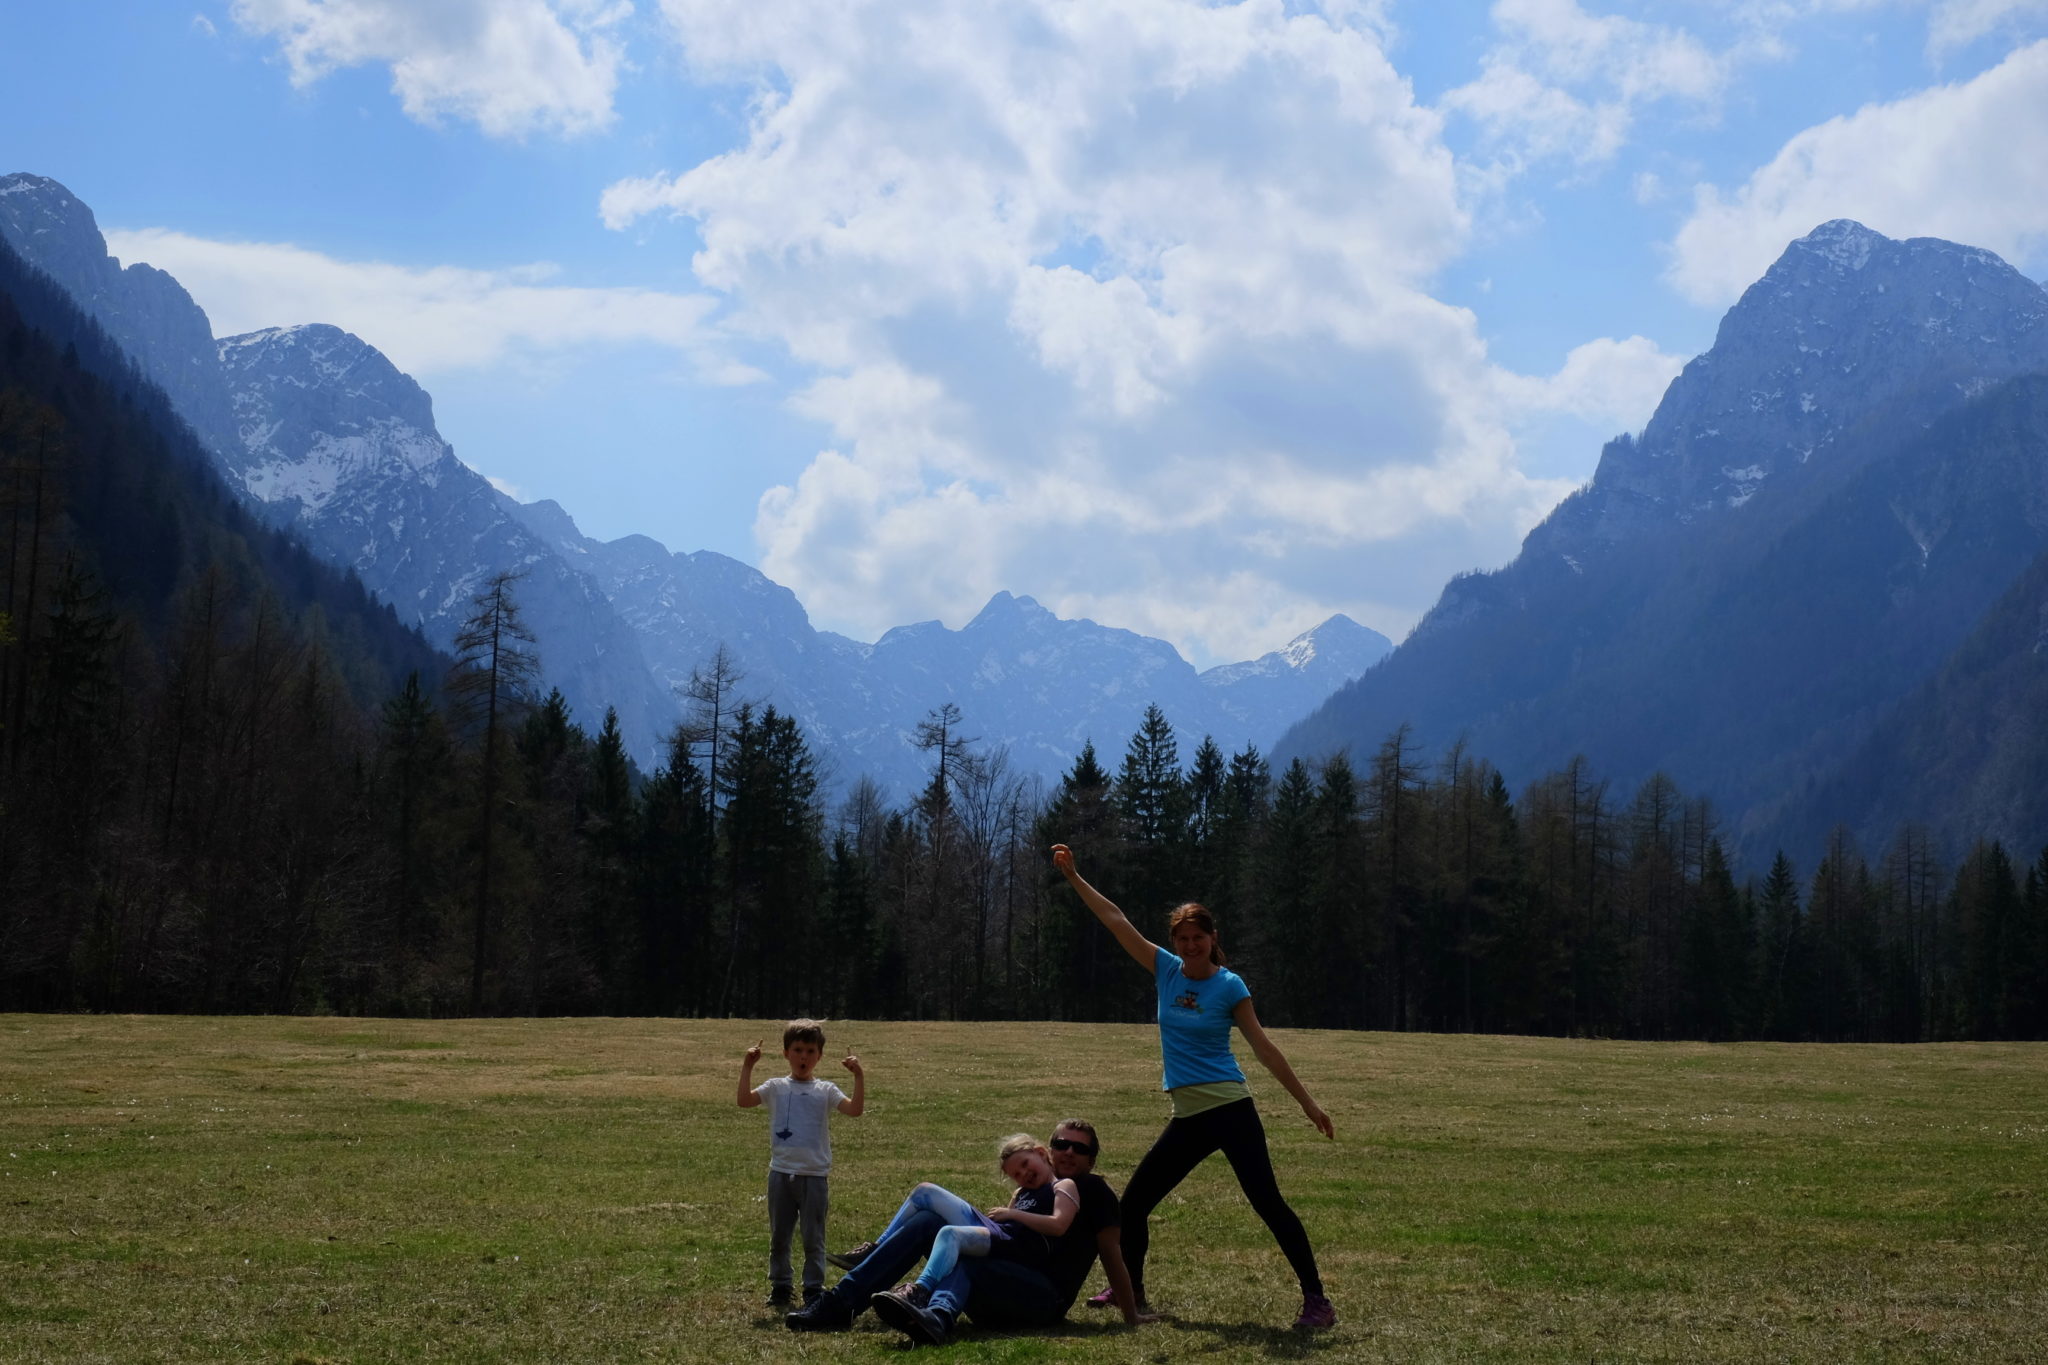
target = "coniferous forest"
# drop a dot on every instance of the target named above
(232, 782)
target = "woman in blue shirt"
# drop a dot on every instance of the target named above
(1199, 999)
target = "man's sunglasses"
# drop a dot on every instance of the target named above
(1069, 1145)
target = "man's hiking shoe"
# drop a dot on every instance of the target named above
(913, 1293)
(829, 1314)
(905, 1308)
(1316, 1311)
(847, 1260)
(811, 1296)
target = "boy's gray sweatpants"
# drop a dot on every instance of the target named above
(791, 1197)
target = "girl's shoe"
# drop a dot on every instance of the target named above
(1316, 1311)
(1106, 1299)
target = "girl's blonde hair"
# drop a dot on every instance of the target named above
(1019, 1142)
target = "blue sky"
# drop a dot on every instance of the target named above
(1202, 319)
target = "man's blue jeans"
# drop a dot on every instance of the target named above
(999, 1294)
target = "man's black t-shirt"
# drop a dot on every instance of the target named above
(1073, 1252)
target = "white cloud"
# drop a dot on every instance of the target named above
(513, 67)
(427, 320)
(1955, 24)
(1125, 300)
(1955, 161)
(1563, 84)
(1616, 384)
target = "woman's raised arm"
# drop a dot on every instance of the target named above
(1142, 950)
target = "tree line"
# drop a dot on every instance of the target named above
(218, 825)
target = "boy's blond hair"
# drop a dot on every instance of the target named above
(803, 1031)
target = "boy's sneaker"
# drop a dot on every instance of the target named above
(778, 1296)
(1316, 1311)
(829, 1314)
(847, 1260)
(906, 1309)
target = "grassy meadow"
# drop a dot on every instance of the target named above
(291, 1189)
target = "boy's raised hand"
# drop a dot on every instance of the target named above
(852, 1063)
(753, 1054)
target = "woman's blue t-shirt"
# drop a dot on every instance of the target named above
(1194, 1022)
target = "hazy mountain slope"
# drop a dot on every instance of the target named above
(1023, 677)
(144, 311)
(1742, 594)
(340, 445)
(317, 429)
(141, 503)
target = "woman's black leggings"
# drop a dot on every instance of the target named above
(1235, 1130)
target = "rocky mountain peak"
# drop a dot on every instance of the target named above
(1846, 321)
(1007, 612)
(315, 408)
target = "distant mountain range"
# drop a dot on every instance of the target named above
(319, 432)
(1812, 589)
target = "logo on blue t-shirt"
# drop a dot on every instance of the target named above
(1187, 1001)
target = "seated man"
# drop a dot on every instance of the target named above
(993, 1293)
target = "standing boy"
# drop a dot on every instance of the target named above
(799, 1150)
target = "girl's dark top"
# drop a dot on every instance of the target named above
(1018, 1243)
(1073, 1251)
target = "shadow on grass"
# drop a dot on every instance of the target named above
(1234, 1338)
(1245, 1338)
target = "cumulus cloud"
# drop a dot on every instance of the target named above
(1954, 161)
(512, 67)
(1955, 24)
(1124, 305)
(427, 320)
(1616, 384)
(1560, 83)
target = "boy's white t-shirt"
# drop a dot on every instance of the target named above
(799, 1138)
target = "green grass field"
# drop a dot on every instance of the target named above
(271, 1189)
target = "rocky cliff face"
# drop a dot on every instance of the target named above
(1848, 326)
(156, 322)
(336, 442)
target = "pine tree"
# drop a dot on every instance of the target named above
(1782, 975)
(495, 664)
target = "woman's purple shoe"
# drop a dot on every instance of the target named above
(1316, 1311)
